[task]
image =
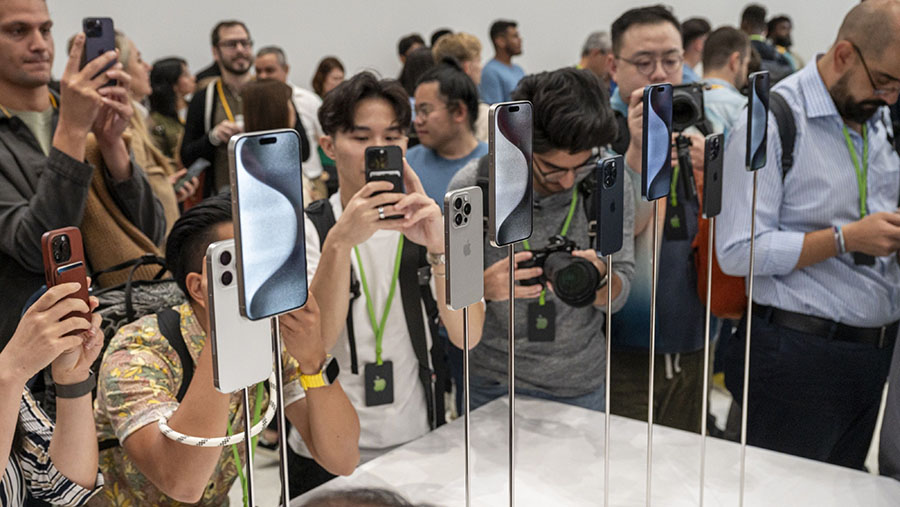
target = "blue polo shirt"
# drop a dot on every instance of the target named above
(498, 80)
(436, 171)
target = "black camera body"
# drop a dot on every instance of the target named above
(575, 280)
(687, 106)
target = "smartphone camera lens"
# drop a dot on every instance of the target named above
(227, 278)
(458, 219)
(61, 248)
(225, 258)
(609, 176)
(458, 203)
(467, 209)
(93, 28)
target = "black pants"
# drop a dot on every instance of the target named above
(809, 396)
(305, 474)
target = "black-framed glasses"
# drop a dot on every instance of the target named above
(878, 91)
(234, 43)
(646, 64)
(558, 173)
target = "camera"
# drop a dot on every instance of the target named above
(714, 147)
(379, 161)
(609, 175)
(687, 106)
(61, 248)
(575, 280)
(93, 28)
(227, 276)
(461, 211)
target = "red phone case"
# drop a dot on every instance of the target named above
(69, 270)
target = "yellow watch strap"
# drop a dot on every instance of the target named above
(310, 381)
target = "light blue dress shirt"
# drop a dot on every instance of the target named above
(724, 104)
(818, 192)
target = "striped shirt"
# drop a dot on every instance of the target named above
(29, 468)
(818, 192)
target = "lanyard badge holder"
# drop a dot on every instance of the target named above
(757, 127)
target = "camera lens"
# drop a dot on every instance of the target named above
(575, 280)
(225, 258)
(457, 203)
(61, 248)
(467, 209)
(227, 278)
(458, 219)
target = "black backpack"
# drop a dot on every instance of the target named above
(415, 276)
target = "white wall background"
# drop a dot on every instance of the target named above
(364, 33)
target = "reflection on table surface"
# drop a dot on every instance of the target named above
(560, 463)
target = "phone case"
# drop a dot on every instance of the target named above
(757, 120)
(100, 37)
(64, 264)
(712, 175)
(385, 163)
(609, 204)
(656, 157)
(464, 246)
(241, 348)
(510, 201)
(195, 170)
(267, 198)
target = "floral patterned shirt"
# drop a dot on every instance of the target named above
(139, 378)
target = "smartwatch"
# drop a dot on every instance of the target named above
(326, 376)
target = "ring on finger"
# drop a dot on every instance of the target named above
(381, 213)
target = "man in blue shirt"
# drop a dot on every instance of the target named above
(500, 76)
(694, 32)
(446, 111)
(827, 282)
(725, 61)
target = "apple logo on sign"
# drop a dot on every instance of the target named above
(541, 322)
(379, 384)
(467, 248)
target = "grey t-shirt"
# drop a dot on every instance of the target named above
(40, 123)
(573, 364)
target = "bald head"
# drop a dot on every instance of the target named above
(872, 25)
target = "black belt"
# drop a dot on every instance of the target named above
(879, 337)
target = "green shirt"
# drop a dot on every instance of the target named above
(40, 123)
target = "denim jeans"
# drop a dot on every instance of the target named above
(484, 390)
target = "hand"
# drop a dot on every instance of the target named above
(422, 223)
(115, 114)
(224, 130)
(360, 219)
(41, 336)
(877, 234)
(73, 365)
(635, 129)
(496, 279)
(302, 336)
(189, 188)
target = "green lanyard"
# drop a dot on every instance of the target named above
(376, 326)
(861, 174)
(234, 448)
(565, 230)
(673, 188)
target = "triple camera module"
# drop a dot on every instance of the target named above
(61, 248)
(461, 211)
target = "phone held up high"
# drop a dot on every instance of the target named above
(713, 157)
(100, 37)
(757, 120)
(464, 246)
(241, 348)
(385, 163)
(63, 255)
(267, 198)
(510, 201)
(609, 204)
(656, 156)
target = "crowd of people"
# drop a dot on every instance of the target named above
(108, 147)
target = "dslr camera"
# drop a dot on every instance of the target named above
(687, 106)
(575, 280)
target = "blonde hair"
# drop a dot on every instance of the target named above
(461, 46)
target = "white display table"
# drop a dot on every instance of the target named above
(560, 463)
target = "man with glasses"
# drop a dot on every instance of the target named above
(214, 114)
(827, 284)
(560, 348)
(647, 45)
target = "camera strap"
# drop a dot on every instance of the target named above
(565, 230)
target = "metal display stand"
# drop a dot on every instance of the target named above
(466, 405)
(655, 270)
(746, 391)
(512, 375)
(606, 418)
(251, 498)
(705, 395)
(282, 425)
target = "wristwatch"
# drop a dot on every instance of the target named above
(78, 390)
(326, 376)
(435, 259)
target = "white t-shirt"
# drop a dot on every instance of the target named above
(307, 104)
(385, 426)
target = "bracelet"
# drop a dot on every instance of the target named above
(69, 391)
(843, 243)
(837, 239)
(435, 259)
(181, 438)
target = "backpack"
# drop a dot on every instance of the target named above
(415, 291)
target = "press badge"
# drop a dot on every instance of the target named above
(541, 321)
(379, 383)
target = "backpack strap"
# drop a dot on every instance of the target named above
(321, 214)
(787, 130)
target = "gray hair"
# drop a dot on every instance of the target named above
(597, 40)
(274, 50)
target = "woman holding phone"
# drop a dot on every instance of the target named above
(54, 463)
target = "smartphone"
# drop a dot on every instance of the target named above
(196, 169)
(385, 163)
(757, 120)
(100, 37)
(609, 203)
(241, 348)
(267, 198)
(63, 254)
(656, 157)
(510, 201)
(713, 156)
(464, 246)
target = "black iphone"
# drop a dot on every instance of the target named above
(656, 156)
(712, 174)
(609, 203)
(100, 37)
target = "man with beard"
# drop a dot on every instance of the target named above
(780, 36)
(214, 114)
(827, 297)
(500, 76)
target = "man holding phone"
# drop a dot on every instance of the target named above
(561, 355)
(647, 47)
(377, 328)
(827, 284)
(44, 179)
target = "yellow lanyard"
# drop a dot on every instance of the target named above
(224, 101)
(52, 103)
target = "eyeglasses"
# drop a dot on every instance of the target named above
(878, 91)
(425, 110)
(646, 65)
(557, 174)
(234, 43)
